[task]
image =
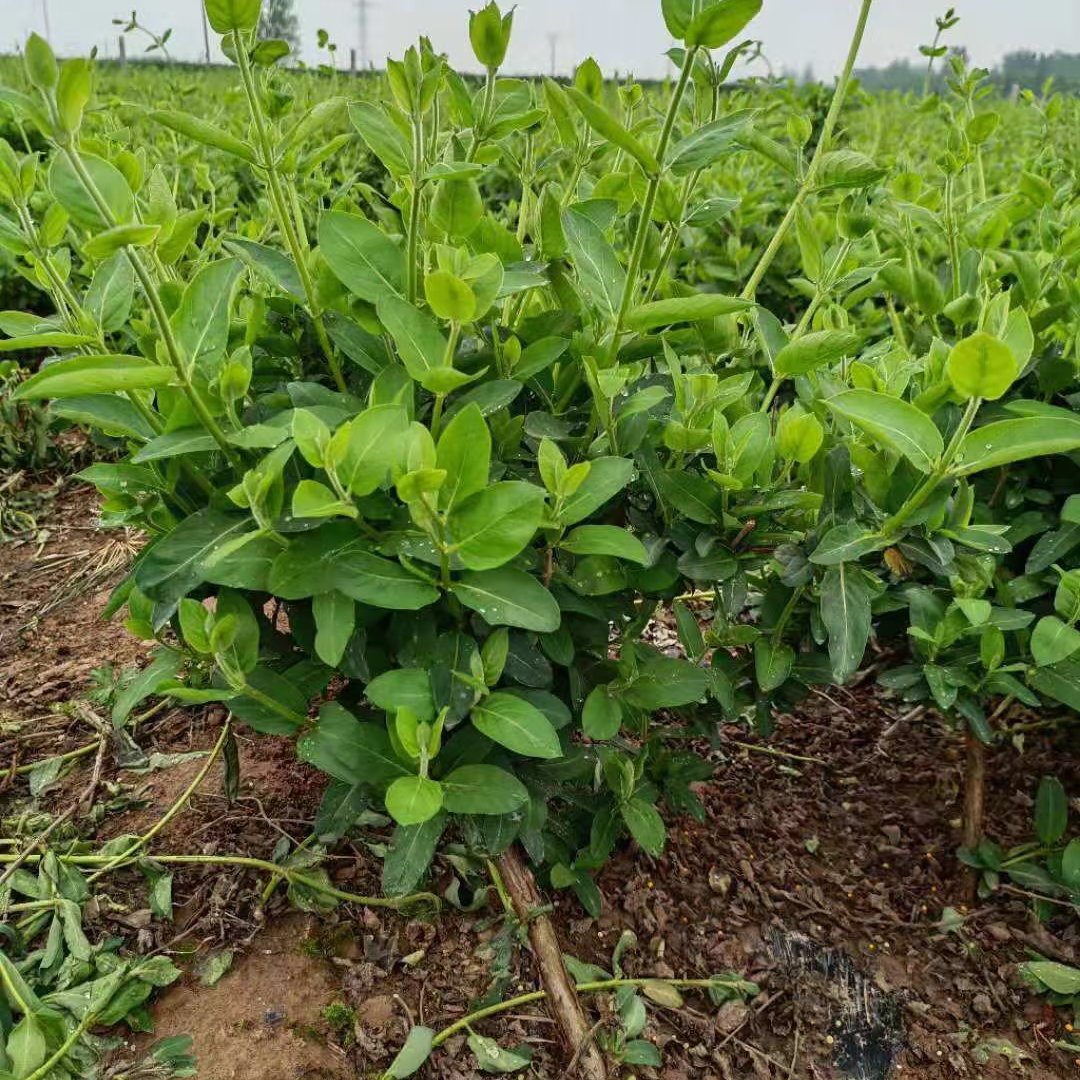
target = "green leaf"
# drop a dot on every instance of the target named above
(483, 789)
(717, 24)
(384, 138)
(509, 597)
(46, 339)
(514, 723)
(1006, 441)
(111, 292)
(773, 661)
(1059, 978)
(678, 309)
(492, 526)
(599, 271)
(348, 750)
(412, 847)
(981, 366)
(492, 1058)
(93, 375)
(1053, 640)
(403, 688)
(361, 256)
(703, 146)
(201, 323)
(413, 1054)
(449, 297)
(148, 681)
(227, 15)
(645, 824)
(601, 715)
(464, 453)
(111, 241)
(816, 349)
(1070, 864)
(188, 440)
(893, 424)
(108, 413)
(1051, 811)
(26, 1046)
(693, 496)
(605, 540)
(665, 682)
(363, 451)
(201, 131)
(412, 800)
(274, 267)
(314, 500)
(845, 543)
(175, 564)
(845, 611)
(677, 16)
(417, 336)
(606, 478)
(605, 125)
(336, 556)
(335, 620)
(70, 191)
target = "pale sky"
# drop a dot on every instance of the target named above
(622, 35)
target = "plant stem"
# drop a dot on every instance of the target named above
(286, 222)
(173, 810)
(816, 161)
(412, 244)
(923, 492)
(637, 250)
(79, 752)
(397, 903)
(582, 988)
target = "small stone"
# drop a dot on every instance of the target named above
(732, 1016)
(718, 882)
(891, 833)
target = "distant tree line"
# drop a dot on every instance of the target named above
(1023, 69)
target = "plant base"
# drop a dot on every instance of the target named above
(525, 896)
(974, 804)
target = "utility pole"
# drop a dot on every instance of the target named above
(205, 31)
(362, 29)
(45, 15)
(552, 40)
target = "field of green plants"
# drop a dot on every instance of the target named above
(431, 396)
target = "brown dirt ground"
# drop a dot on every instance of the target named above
(825, 883)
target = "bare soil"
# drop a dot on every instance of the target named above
(821, 872)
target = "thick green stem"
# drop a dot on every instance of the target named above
(816, 161)
(927, 488)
